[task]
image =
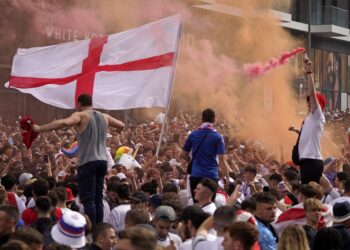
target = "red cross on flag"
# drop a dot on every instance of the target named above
(127, 70)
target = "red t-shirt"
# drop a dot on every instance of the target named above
(29, 215)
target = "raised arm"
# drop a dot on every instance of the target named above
(114, 123)
(72, 120)
(311, 84)
(223, 164)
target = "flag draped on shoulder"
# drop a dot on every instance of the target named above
(126, 70)
(296, 215)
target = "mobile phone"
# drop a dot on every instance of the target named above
(281, 186)
(46, 158)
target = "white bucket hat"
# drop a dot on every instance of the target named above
(70, 230)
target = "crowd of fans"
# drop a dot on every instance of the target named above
(262, 204)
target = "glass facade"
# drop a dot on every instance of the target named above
(331, 59)
(332, 71)
(324, 15)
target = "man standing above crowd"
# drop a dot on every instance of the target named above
(206, 144)
(91, 127)
(309, 147)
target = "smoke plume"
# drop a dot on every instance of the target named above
(213, 50)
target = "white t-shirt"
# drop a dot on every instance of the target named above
(212, 243)
(31, 203)
(171, 237)
(220, 200)
(333, 195)
(117, 216)
(209, 208)
(187, 245)
(65, 210)
(20, 204)
(311, 133)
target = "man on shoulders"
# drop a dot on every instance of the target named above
(91, 127)
(309, 147)
(206, 146)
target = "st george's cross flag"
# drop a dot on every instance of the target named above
(126, 70)
(296, 215)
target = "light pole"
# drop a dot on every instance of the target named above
(309, 27)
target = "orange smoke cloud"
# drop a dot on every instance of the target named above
(214, 48)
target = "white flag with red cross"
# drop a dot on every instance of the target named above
(126, 70)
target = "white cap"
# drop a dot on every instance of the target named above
(24, 177)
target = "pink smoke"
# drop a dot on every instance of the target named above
(255, 70)
(67, 16)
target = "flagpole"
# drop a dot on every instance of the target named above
(171, 86)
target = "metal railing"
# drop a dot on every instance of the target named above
(326, 15)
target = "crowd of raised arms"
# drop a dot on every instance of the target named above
(257, 202)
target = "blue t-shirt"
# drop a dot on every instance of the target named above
(205, 163)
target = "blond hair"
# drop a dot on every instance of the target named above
(312, 204)
(318, 188)
(293, 238)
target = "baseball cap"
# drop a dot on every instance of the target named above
(23, 178)
(165, 213)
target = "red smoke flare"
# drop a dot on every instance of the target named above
(255, 70)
